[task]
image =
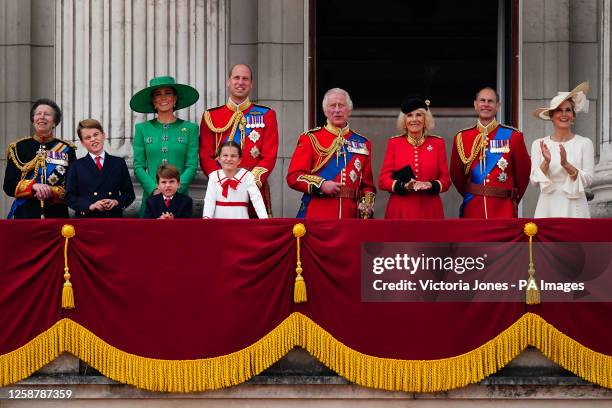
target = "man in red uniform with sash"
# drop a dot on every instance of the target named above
(332, 165)
(252, 126)
(489, 163)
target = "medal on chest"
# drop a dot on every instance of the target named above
(499, 146)
(503, 165)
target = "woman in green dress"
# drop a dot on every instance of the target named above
(165, 139)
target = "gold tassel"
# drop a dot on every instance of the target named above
(299, 290)
(68, 232)
(533, 292)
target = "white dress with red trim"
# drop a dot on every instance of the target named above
(229, 197)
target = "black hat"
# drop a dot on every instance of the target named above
(413, 102)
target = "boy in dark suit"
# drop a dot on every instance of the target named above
(99, 184)
(166, 203)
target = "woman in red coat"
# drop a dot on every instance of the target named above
(415, 170)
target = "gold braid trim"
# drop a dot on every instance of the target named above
(237, 118)
(257, 173)
(22, 167)
(311, 180)
(324, 153)
(299, 330)
(211, 126)
(477, 147)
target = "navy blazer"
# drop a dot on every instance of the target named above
(181, 206)
(86, 185)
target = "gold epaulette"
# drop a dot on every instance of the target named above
(463, 130)
(359, 134)
(215, 108)
(68, 143)
(510, 127)
(13, 145)
(313, 130)
(11, 154)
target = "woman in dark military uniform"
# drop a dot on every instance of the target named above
(165, 139)
(37, 166)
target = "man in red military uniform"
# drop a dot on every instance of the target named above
(332, 165)
(489, 163)
(253, 126)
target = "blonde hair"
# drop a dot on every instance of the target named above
(429, 124)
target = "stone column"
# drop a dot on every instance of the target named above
(109, 49)
(560, 50)
(26, 70)
(269, 36)
(601, 206)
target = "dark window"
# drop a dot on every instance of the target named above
(379, 51)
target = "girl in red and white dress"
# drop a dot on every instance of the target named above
(231, 187)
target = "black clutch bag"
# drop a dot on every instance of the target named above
(404, 174)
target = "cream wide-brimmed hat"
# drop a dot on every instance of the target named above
(578, 95)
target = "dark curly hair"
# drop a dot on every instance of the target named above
(57, 115)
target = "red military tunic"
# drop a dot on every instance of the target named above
(321, 155)
(252, 126)
(504, 179)
(428, 162)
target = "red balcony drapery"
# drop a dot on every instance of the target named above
(190, 305)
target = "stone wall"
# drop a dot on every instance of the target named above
(269, 36)
(561, 48)
(299, 380)
(563, 43)
(26, 69)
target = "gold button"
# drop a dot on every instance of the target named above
(95, 193)
(110, 193)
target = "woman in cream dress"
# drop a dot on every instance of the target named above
(562, 164)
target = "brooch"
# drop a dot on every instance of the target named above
(254, 136)
(503, 165)
(357, 164)
(254, 152)
(429, 148)
(53, 179)
(353, 175)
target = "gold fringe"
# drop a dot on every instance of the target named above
(299, 288)
(299, 330)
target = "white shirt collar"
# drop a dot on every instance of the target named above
(93, 156)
